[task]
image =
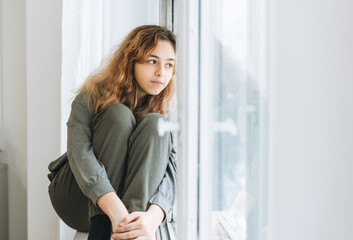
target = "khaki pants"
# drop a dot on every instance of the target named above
(134, 156)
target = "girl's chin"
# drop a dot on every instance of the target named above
(154, 93)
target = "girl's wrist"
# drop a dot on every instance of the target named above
(157, 213)
(111, 204)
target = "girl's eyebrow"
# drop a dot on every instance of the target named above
(169, 59)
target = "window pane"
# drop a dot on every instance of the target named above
(239, 113)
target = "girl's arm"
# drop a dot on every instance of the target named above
(89, 172)
(111, 204)
(139, 224)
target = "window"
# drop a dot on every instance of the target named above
(223, 116)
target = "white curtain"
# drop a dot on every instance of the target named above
(86, 40)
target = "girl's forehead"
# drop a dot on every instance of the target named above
(163, 49)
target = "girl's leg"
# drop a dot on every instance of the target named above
(147, 163)
(111, 130)
(135, 177)
(135, 158)
(68, 200)
(100, 228)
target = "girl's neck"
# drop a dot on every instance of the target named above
(140, 96)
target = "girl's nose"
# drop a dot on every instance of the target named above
(160, 71)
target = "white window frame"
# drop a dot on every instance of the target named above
(188, 112)
(206, 120)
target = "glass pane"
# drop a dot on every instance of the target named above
(239, 162)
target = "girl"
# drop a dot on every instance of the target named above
(118, 175)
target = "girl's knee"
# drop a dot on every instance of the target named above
(149, 122)
(118, 115)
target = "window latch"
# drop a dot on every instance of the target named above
(228, 126)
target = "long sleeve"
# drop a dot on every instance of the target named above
(165, 195)
(89, 172)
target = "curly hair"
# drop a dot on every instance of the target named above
(115, 82)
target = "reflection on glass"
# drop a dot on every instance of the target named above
(237, 169)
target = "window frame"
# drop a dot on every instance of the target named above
(188, 116)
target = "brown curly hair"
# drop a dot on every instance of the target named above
(115, 82)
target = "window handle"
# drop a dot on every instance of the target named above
(226, 126)
(246, 109)
(164, 126)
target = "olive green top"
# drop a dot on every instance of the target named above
(90, 173)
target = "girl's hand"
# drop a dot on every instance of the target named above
(139, 225)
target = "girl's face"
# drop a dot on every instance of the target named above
(154, 75)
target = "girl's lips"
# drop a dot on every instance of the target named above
(157, 82)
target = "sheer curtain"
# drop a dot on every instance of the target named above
(86, 40)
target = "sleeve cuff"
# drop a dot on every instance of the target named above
(162, 202)
(98, 189)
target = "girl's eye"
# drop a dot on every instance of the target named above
(169, 65)
(151, 61)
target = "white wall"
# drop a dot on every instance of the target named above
(311, 120)
(43, 111)
(14, 110)
(31, 43)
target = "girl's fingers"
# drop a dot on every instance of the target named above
(131, 217)
(127, 227)
(126, 235)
